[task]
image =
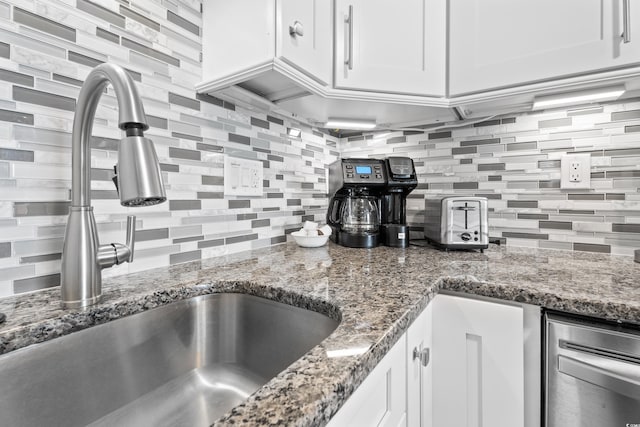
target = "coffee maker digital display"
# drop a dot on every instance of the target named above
(368, 201)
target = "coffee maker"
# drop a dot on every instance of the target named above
(401, 180)
(356, 187)
(368, 203)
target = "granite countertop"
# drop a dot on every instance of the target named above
(376, 293)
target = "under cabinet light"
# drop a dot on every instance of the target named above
(294, 132)
(580, 97)
(350, 124)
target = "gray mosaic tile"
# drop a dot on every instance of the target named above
(15, 117)
(185, 257)
(495, 177)
(210, 243)
(440, 135)
(210, 195)
(187, 239)
(32, 96)
(491, 167)
(14, 77)
(68, 80)
(508, 120)
(623, 174)
(210, 147)
(238, 239)
(107, 35)
(590, 247)
(157, 122)
(36, 283)
(5, 50)
(542, 124)
(154, 234)
(294, 202)
(522, 204)
(488, 141)
(24, 209)
(210, 99)
(101, 12)
(260, 223)
(165, 167)
(396, 139)
(280, 122)
(240, 139)
(586, 196)
(522, 146)
(239, 204)
(184, 205)
(576, 211)
(615, 196)
(487, 123)
(244, 217)
(24, 17)
(212, 180)
(465, 185)
(150, 52)
(625, 115)
(626, 228)
(179, 135)
(630, 129)
(40, 258)
(104, 195)
(182, 153)
(516, 235)
(278, 239)
(552, 183)
(102, 143)
(259, 123)
(549, 164)
(533, 216)
(129, 13)
(558, 225)
(5, 249)
(307, 153)
(464, 150)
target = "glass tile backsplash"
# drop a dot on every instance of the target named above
(47, 48)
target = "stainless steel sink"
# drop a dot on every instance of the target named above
(186, 363)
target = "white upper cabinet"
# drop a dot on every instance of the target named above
(273, 47)
(304, 36)
(394, 47)
(504, 43)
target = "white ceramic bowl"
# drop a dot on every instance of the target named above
(309, 241)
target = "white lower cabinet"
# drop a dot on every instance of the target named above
(478, 363)
(462, 362)
(381, 398)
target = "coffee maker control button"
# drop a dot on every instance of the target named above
(349, 166)
(378, 175)
(364, 176)
(349, 175)
(465, 237)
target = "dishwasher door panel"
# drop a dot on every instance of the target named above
(593, 374)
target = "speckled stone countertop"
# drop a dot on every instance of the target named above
(376, 293)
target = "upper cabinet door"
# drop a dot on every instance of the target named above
(304, 36)
(502, 43)
(387, 46)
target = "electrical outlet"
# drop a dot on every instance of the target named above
(575, 171)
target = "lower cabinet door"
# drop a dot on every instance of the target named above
(420, 370)
(381, 398)
(478, 363)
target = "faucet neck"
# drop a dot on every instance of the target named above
(131, 119)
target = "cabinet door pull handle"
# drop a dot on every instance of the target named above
(626, 21)
(296, 29)
(349, 20)
(423, 355)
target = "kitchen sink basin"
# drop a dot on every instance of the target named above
(186, 363)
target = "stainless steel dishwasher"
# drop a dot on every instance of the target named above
(592, 373)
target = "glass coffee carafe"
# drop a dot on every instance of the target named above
(360, 215)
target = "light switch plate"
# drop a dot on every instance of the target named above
(575, 171)
(242, 177)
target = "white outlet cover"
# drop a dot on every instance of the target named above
(242, 177)
(584, 171)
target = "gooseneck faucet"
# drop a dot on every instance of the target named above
(138, 182)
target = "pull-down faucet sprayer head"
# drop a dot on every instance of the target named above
(139, 180)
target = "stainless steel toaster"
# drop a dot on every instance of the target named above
(457, 222)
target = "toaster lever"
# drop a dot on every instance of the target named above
(465, 208)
